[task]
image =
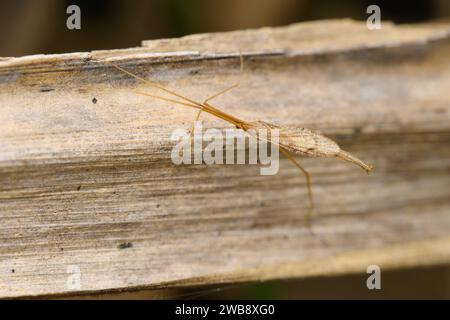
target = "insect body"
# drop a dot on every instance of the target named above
(306, 142)
(291, 140)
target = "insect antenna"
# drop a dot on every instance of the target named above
(153, 84)
(169, 100)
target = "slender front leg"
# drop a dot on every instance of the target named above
(221, 92)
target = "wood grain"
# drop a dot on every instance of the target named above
(86, 177)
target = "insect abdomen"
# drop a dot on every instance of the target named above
(303, 141)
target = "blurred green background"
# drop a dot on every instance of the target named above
(39, 26)
(413, 283)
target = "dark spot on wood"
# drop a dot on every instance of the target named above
(62, 249)
(125, 245)
(357, 130)
(12, 270)
(94, 100)
(79, 187)
(46, 89)
(194, 72)
(158, 205)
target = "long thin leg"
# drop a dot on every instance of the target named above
(187, 102)
(196, 119)
(308, 184)
(169, 100)
(222, 92)
(154, 84)
(207, 108)
(210, 98)
(241, 70)
(298, 165)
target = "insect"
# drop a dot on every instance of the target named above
(291, 140)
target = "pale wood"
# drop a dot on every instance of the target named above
(92, 184)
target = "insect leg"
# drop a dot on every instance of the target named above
(196, 119)
(206, 101)
(308, 183)
(241, 70)
(155, 85)
(223, 91)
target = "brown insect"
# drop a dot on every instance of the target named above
(292, 140)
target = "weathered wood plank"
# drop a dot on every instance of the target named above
(92, 185)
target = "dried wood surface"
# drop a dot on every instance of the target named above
(92, 184)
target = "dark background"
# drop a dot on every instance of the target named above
(39, 26)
